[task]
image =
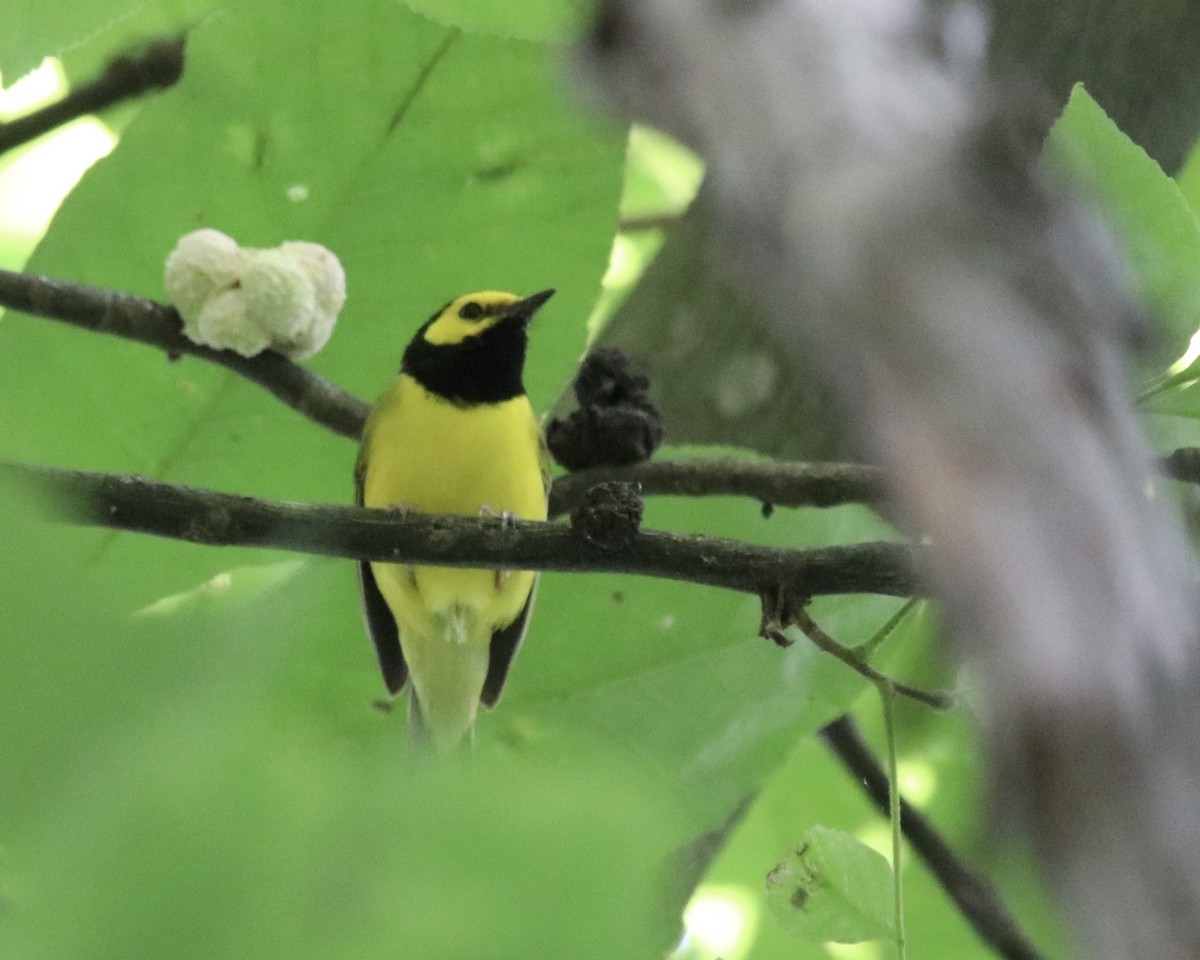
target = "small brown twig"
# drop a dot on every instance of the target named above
(649, 221)
(781, 610)
(136, 318)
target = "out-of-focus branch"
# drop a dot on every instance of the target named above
(221, 519)
(973, 894)
(157, 66)
(135, 318)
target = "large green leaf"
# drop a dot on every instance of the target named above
(86, 33)
(167, 777)
(1154, 222)
(522, 19)
(433, 162)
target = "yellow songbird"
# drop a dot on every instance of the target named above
(454, 433)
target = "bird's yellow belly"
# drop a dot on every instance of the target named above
(428, 455)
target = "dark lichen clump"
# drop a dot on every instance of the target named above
(609, 515)
(616, 423)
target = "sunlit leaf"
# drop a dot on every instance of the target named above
(1154, 222)
(87, 33)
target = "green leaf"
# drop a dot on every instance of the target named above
(173, 777)
(1179, 397)
(86, 33)
(944, 777)
(662, 177)
(1154, 222)
(832, 888)
(519, 19)
(263, 849)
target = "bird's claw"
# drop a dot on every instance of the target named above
(506, 516)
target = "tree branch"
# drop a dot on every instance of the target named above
(779, 484)
(158, 66)
(135, 318)
(774, 483)
(220, 519)
(974, 895)
(937, 699)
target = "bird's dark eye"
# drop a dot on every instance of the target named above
(470, 311)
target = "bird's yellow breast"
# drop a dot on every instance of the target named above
(427, 454)
(424, 453)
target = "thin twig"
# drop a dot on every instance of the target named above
(887, 697)
(937, 699)
(649, 221)
(780, 484)
(135, 318)
(221, 519)
(973, 894)
(866, 649)
(156, 67)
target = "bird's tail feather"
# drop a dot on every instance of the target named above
(448, 668)
(418, 732)
(421, 736)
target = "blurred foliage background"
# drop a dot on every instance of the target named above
(192, 762)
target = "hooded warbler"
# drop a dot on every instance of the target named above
(454, 433)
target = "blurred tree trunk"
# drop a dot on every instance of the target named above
(713, 364)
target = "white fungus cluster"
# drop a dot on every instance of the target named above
(284, 298)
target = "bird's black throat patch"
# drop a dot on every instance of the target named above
(485, 368)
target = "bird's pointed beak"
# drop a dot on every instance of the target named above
(523, 310)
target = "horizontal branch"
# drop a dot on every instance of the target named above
(136, 318)
(775, 483)
(157, 66)
(778, 483)
(221, 519)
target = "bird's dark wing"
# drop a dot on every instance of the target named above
(381, 625)
(505, 642)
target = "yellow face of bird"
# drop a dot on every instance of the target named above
(469, 315)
